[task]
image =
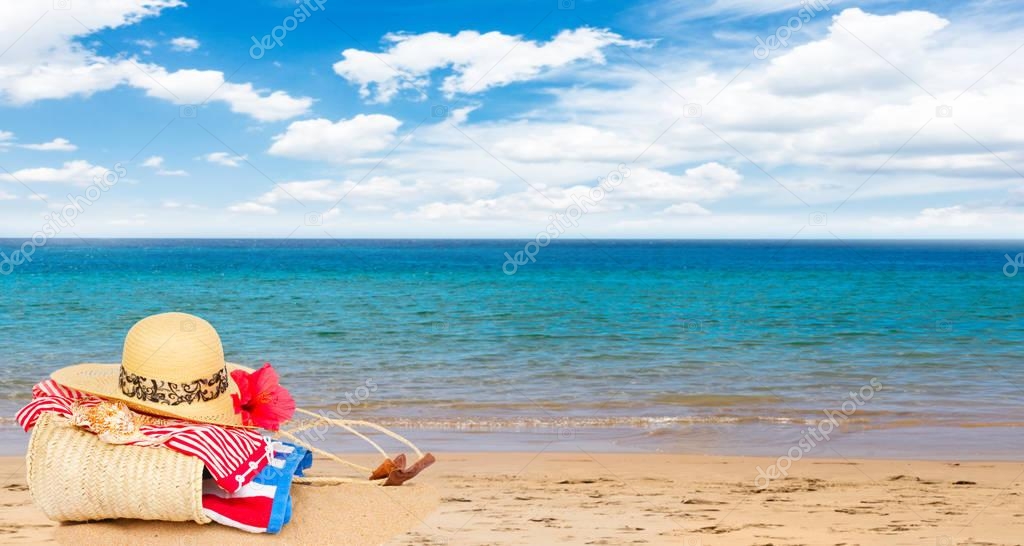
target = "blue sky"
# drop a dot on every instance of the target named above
(496, 119)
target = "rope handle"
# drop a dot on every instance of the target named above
(392, 469)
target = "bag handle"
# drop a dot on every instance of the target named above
(393, 470)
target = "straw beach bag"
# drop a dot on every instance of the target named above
(75, 476)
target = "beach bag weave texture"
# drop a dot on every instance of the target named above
(75, 476)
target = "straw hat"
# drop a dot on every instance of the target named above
(173, 366)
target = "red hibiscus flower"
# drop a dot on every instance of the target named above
(261, 400)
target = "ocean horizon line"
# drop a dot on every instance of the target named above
(4, 238)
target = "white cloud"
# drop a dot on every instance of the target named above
(252, 208)
(225, 159)
(189, 86)
(157, 162)
(639, 190)
(955, 215)
(472, 187)
(182, 43)
(904, 37)
(707, 182)
(409, 60)
(77, 172)
(477, 210)
(379, 194)
(952, 216)
(38, 197)
(460, 116)
(950, 221)
(687, 209)
(326, 191)
(4, 196)
(55, 145)
(51, 62)
(178, 205)
(676, 12)
(135, 220)
(311, 190)
(345, 139)
(549, 142)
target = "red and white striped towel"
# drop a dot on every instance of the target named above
(233, 456)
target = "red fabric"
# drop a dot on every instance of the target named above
(251, 511)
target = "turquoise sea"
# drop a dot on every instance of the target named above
(702, 346)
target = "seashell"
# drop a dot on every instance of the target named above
(113, 422)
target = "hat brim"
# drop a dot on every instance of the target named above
(102, 380)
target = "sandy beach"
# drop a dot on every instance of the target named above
(599, 498)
